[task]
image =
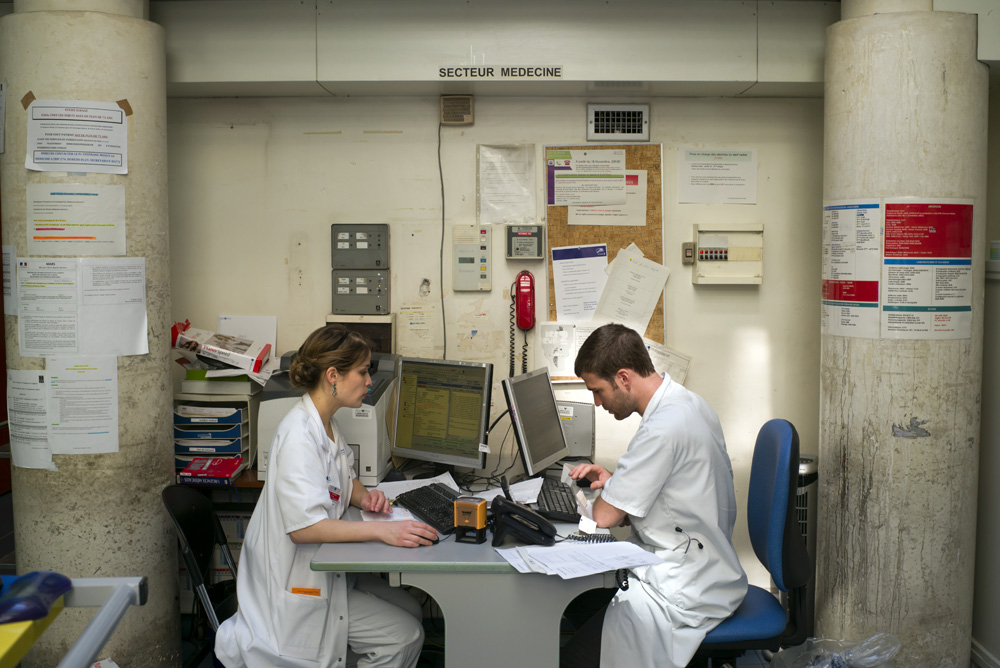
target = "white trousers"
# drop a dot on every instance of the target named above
(384, 624)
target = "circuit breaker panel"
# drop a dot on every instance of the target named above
(728, 253)
(360, 267)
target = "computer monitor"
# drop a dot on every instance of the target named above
(444, 411)
(535, 418)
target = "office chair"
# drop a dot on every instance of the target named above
(761, 622)
(199, 531)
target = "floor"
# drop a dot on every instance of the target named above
(433, 655)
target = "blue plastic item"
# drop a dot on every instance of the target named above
(31, 596)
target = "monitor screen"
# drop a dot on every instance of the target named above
(535, 418)
(444, 411)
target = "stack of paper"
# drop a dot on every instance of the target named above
(573, 559)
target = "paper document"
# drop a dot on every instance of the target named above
(578, 278)
(634, 286)
(571, 559)
(667, 360)
(77, 136)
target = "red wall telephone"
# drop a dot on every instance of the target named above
(524, 300)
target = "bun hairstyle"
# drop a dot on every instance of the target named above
(330, 346)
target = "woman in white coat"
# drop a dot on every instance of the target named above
(288, 614)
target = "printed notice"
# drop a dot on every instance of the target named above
(82, 306)
(852, 257)
(75, 219)
(927, 269)
(9, 298)
(506, 184)
(717, 176)
(632, 213)
(593, 176)
(83, 405)
(27, 401)
(77, 136)
(579, 277)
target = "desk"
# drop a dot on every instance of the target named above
(494, 616)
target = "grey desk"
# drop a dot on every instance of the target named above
(494, 616)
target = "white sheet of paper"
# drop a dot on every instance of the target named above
(27, 403)
(82, 306)
(558, 343)
(71, 219)
(9, 286)
(253, 327)
(572, 559)
(77, 136)
(506, 184)
(632, 213)
(579, 279)
(588, 176)
(632, 291)
(668, 360)
(717, 176)
(82, 405)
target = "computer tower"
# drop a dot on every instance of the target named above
(806, 511)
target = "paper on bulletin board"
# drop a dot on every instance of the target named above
(82, 306)
(588, 176)
(27, 415)
(74, 220)
(506, 185)
(667, 360)
(82, 405)
(632, 213)
(579, 277)
(77, 136)
(717, 176)
(559, 342)
(632, 291)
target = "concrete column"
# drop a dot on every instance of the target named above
(905, 115)
(101, 515)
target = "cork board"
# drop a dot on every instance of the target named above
(646, 157)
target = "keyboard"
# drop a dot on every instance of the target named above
(581, 537)
(433, 504)
(557, 502)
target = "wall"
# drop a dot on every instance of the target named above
(256, 183)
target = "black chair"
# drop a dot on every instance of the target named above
(761, 622)
(199, 532)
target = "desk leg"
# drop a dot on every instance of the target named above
(500, 619)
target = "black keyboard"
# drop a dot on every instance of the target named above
(581, 537)
(557, 502)
(433, 504)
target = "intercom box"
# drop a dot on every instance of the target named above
(577, 420)
(359, 246)
(360, 291)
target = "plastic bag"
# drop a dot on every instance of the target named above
(875, 652)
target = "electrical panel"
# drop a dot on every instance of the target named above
(471, 253)
(359, 257)
(525, 242)
(359, 246)
(359, 291)
(728, 253)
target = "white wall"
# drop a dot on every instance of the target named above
(256, 183)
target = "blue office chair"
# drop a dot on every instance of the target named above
(761, 621)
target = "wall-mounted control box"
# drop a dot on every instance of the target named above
(361, 291)
(471, 252)
(728, 253)
(359, 246)
(525, 242)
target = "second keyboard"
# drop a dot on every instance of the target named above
(433, 504)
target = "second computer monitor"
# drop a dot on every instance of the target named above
(443, 411)
(535, 418)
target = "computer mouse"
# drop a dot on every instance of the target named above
(583, 482)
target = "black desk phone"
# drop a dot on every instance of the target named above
(521, 522)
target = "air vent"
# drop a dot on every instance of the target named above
(456, 110)
(617, 122)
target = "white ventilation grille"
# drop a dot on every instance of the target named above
(456, 110)
(617, 122)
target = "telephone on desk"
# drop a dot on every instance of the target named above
(521, 522)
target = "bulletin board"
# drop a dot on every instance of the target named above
(649, 239)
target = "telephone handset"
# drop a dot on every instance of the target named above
(521, 523)
(522, 314)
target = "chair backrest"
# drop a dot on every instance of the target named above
(198, 528)
(774, 529)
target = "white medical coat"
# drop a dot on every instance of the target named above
(675, 473)
(309, 478)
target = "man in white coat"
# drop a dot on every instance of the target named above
(674, 485)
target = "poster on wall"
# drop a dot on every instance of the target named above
(77, 136)
(72, 219)
(852, 255)
(927, 269)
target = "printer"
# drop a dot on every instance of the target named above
(369, 429)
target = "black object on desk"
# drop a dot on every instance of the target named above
(557, 502)
(433, 504)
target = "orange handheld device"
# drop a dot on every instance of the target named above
(470, 519)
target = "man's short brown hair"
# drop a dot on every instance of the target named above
(610, 348)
